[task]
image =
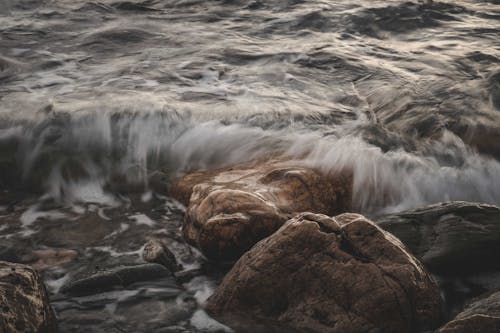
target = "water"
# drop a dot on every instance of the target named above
(101, 99)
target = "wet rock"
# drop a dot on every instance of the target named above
(140, 307)
(322, 274)
(231, 209)
(156, 251)
(457, 242)
(24, 302)
(481, 316)
(452, 238)
(115, 278)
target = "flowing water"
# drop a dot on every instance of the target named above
(103, 102)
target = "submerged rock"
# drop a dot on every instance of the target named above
(481, 316)
(157, 252)
(229, 210)
(322, 274)
(116, 278)
(24, 302)
(452, 238)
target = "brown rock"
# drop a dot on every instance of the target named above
(482, 316)
(24, 302)
(322, 274)
(229, 210)
(157, 252)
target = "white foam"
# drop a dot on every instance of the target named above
(202, 287)
(115, 253)
(32, 214)
(55, 285)
(142, 219)
(383, 181)
(397, 180)
(147, 196)
(203, 322)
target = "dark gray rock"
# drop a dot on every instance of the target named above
(481, 316)
(450, 238)
(24, 304)
(458, 242)
(115, 278)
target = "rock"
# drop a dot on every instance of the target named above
(157, 252)
(481, 316)
(24, 301)
(117, 277)
(322, 274)
(451, 238)
(231, 209)
(457, 242)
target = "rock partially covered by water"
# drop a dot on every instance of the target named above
(24, 302)
(322, 274)
(482, 316)
(116, 278)
(155, 251)
(229, 210)
(453, 237)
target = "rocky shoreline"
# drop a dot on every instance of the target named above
(282, 248)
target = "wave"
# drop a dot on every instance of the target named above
(95, 156)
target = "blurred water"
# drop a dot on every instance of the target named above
(92, 89)
(103, 98)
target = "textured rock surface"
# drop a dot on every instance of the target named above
(116, 278)
(322, 274)
(454, 237)
(24, 301)
(481, 316)
(157, 252)
(229, 210)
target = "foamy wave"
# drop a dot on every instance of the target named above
(85, 158)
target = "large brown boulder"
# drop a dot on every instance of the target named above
(24, 302)
(322, 274)
(229, 210)
(481, 316)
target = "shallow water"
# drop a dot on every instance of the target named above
(100, 99)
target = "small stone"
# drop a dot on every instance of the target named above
(157, 252)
